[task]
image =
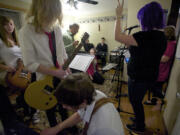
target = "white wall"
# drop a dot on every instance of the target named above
(178, 49)
(177, 126)
(15, 4)
(173, 104)
(106, 30)
(67, 20)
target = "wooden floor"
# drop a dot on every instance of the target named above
(153, 116)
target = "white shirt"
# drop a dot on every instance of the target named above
(9, 55)
(35, 48)
(106, 120)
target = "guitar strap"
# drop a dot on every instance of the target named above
(52, 47)
(98, 104)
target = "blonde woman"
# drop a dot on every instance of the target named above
(9, 47)
(36, 39)
(10, 54)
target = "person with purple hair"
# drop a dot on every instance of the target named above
(146, 48)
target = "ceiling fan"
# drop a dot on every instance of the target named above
(75, 2)
(89, 1)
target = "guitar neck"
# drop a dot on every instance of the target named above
(68, 61)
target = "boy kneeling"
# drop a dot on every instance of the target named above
(76, 93)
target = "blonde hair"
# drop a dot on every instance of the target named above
(169, 31)
(4, 20)
(45, 12)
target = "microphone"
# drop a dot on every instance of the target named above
(132, 27)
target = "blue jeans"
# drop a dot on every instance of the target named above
(137, 91)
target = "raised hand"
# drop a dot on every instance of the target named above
(119, 9)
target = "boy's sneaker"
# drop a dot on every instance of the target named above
(36, 117)
(151, 102)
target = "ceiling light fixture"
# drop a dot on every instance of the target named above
(73, 3)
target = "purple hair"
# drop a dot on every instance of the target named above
(151, 16)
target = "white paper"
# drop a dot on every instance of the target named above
(109, 66)
(81, 62)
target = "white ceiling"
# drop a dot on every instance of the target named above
(87, 9)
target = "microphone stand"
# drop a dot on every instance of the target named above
(119, 74)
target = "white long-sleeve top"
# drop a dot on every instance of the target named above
(9, 55)
(35, 48)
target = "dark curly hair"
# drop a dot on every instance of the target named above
(74, 89)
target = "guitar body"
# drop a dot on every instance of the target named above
(39, 94)
(19, 79)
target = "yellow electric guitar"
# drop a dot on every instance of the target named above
(40, 94)
(20, 79)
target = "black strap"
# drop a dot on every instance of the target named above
(54, 56)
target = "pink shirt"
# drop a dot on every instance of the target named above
(164, 68)
(92, 68)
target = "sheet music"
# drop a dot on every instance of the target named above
(109, 66)
(81, 62)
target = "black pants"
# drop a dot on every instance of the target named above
(157, 90)
(137, 91)
(9, 118)
(28, 111)
(51, 112)
(52, 116)
(6, 110)
(102, 58)
(98, 78)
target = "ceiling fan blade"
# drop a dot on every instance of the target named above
(89, 1)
